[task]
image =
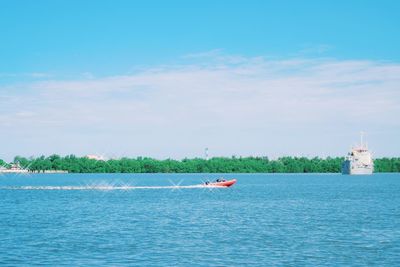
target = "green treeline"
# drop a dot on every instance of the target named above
(75, 164)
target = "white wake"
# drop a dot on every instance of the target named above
(106, 187)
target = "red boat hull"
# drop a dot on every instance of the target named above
(223, 184)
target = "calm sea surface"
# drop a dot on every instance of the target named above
(264, 220)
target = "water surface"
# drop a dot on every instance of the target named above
(264, 220)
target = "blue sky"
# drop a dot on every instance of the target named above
(107, 77)
(111, 37)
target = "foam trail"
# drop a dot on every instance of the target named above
(95, 187)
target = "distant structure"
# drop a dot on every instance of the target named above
(206, 153)
(358, 160)
(95, 157)
(14, 168)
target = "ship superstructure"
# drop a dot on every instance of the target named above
(358, 160)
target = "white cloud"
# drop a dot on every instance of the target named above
(233, 104)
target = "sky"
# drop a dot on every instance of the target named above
(167, 79)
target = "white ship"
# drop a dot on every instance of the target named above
(358, 160)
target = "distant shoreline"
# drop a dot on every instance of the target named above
(73, 164)
(198, 173)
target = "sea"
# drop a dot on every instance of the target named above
(168, 220)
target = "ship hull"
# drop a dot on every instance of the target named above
(351, 169)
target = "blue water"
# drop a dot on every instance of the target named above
(264, 220)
